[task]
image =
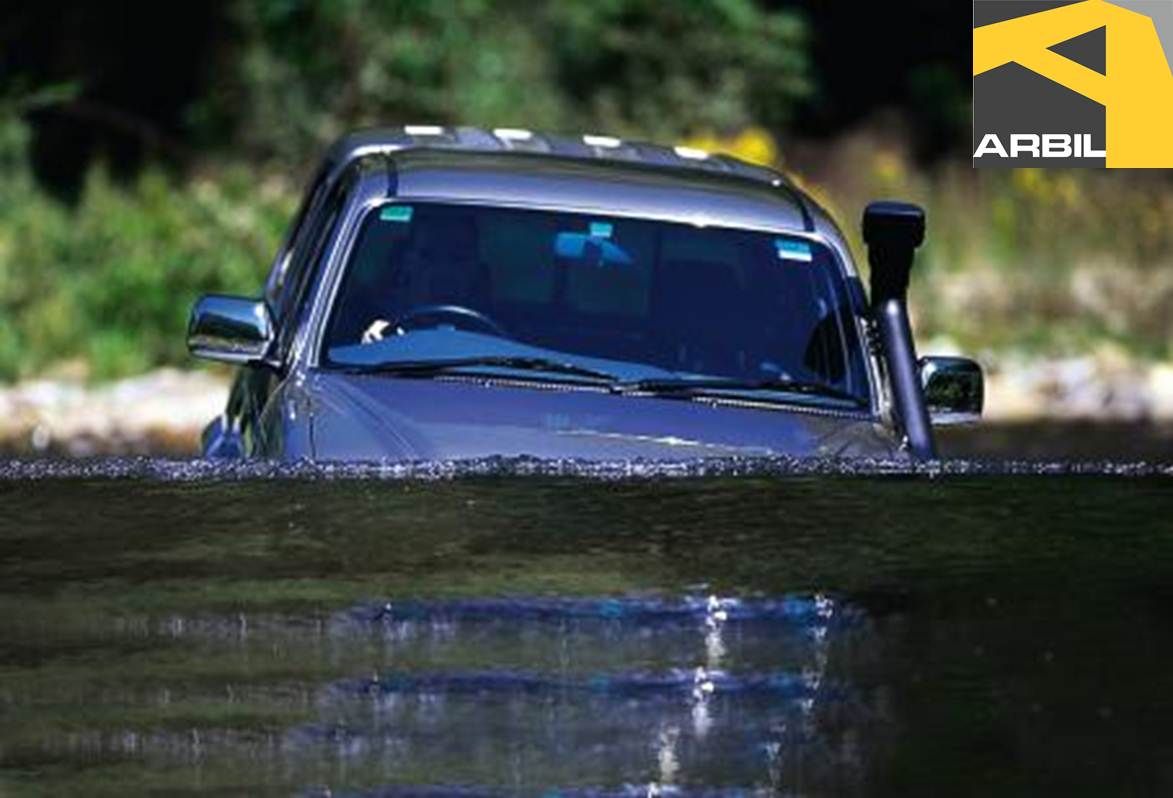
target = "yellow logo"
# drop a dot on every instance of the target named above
(1135, 87)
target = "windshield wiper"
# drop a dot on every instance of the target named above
(663, 386)
(708, 385)
(424, 368)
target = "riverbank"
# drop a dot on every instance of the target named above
(163, 412)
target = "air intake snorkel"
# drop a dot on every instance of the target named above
(892, 230)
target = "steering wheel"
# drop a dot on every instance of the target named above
(458, 313)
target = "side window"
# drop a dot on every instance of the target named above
(279, 274)
(306, 260)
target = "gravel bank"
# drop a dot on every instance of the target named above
(161, 412)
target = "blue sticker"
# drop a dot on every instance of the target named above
(789, 249)
(395, 213)
(601, 229)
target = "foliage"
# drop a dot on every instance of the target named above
(1051, 262)
(111, 280)
(306, 71)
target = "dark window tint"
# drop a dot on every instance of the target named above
(298, 231)
(306, 259)
(691, 300)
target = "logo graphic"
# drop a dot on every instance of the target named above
(1072, 83)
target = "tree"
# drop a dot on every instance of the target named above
(302, 72)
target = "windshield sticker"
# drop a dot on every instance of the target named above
(395, 213)
(601, 229)
(788, 249)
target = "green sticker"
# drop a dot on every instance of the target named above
(790, 249)
(395, 213)
(601, 229)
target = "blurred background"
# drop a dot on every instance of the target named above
(153, 152)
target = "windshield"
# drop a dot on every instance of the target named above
(627, 299)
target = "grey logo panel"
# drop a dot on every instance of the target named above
(1036, 121)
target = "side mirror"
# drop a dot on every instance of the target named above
(230, 329)
(954, 389)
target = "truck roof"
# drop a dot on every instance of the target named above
(588, 172)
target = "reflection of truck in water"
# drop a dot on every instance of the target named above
(453, 293)
(708, 690)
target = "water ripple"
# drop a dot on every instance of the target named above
(696, 683)
(796, 609)
(626, 791)
(165, 470)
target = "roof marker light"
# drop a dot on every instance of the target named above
(423, 130)
(513, 133)
(610, 142)
(692, 153)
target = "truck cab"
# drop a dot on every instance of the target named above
(454, 293)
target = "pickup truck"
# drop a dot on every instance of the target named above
(453, 293)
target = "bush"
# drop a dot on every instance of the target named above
(111, 281)
(303, 71)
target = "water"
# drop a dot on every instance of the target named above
(536, 628)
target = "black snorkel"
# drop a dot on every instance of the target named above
(892, 231)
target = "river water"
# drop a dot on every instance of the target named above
(543, 629)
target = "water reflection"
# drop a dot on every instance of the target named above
(715, 711)
(572, 693)
(737, 635)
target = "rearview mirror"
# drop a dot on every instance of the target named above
(954, 389)
(230, 329)
(596, 250)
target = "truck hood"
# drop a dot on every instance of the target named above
(379, 417)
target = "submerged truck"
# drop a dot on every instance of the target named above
(452, 293)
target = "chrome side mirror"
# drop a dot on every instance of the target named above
(954, 389)
(230, 329)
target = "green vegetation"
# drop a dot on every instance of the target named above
(1040, 262)
(1050, 262)
(109, 282)
(305, 72)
